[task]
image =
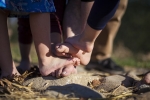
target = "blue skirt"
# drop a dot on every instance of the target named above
(24, 7)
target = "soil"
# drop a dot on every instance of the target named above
(86, 84)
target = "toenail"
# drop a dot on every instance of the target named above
(64, 72)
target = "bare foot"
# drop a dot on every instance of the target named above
(65, 71)
(68, 50)
(9, 72)
(69, 70)
(54, 65)
(81, 44)
(144, 80)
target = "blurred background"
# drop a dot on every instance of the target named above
(131, 45)
(133, 38)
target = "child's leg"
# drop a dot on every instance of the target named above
(25, 41)
(25, 57)
(57, 34)
(6, 63)
(40, 28)
(74, 23)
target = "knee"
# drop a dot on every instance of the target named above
(120, 11)
(123, 5)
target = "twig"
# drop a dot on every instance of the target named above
(116, 89)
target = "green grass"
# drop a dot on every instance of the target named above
(132, 62)
(16, 53)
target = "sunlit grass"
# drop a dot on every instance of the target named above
(132, 62)
(16, 53)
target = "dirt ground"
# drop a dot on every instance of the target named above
(86, 84)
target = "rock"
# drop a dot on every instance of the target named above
(145, 96)
(116, 84)
(74, 85)
(42, 83)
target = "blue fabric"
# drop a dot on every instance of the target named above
(2, 3)
(22, 7)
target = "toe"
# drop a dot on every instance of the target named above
(58, 72)
(76, 61)
(66, 49)
(53, 74)
(68, 70)
(62, 48)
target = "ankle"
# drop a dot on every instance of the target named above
(86, 46)
(10, 72)
(89, 46)
(25, 59)
(44, 61)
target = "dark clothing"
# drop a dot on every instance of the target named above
(24, 31)
(87, 0)
(101, 12)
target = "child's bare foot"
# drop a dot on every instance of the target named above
(144, 80)
(68, 50)
(8, 72)
(55, 66)
(70, 69)
(81, 44)
(65, 71)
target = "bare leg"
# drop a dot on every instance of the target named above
(102, 51)
(74, 23)
(25, 41)
(7, 65)
(72, 19)
(76, 17)
(85, 10)
(40, 24)
(56, 23)
(25, 57)
(104, 44)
